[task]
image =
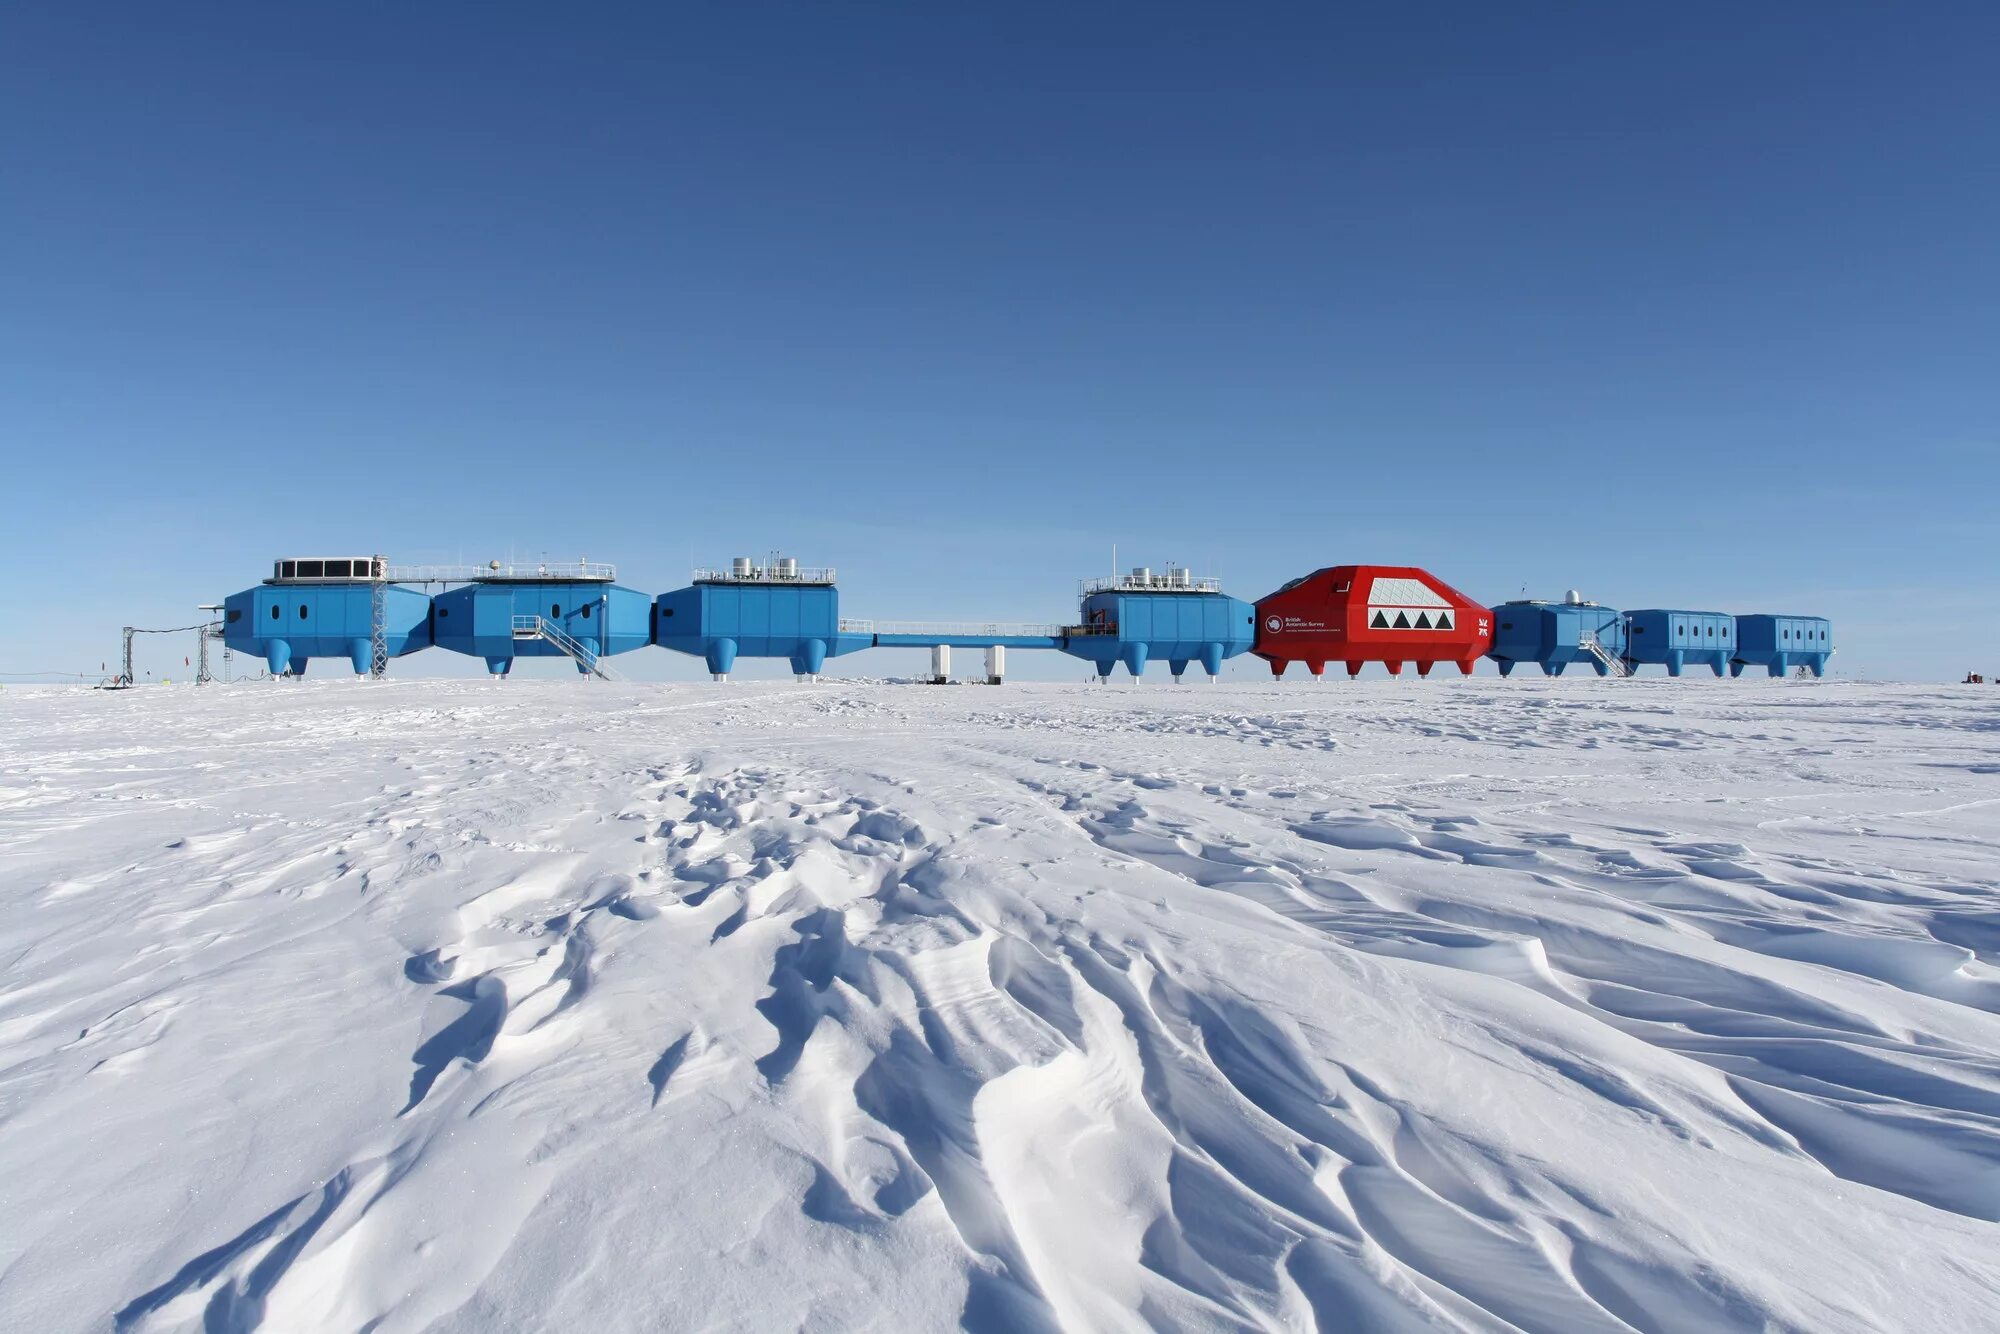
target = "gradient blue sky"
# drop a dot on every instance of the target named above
(1692, 304)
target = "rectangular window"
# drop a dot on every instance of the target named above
(288, 569)
(312, 569)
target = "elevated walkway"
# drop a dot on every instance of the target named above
(956, 634)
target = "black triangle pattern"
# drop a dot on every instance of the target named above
(1379, 623)
(1423, 621)
(1444, 620)
(1402, 622)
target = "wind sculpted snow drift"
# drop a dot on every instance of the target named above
(1479, 1005)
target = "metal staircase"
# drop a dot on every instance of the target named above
(1610, 661)
(586, 657)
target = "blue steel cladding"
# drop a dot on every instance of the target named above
(722, 622)
(1674, 639)
(289, 624)
(1782, 642)
(478, 619)
(1550, 634)
(1174, 628)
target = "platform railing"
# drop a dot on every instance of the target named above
(768, 574)
(1169, 582)
(580, 570)
(957, 629)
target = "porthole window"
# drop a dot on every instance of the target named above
(275, 613)
(444, 611)
(666, 611)
(555, 612)
(302, 611)
(1787, 634)
(586, 611)
(235, 616)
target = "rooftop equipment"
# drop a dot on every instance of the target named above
(779, 570)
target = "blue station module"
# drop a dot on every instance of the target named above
(774, 610)
(1553, 635)
(1675, 638)
(573, 611)
(1173, 618)
(323, 607)
(1782, 643)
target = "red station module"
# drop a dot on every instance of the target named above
(1391, 614)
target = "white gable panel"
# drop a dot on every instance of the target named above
(1404, 593)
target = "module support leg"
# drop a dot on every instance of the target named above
(940, 664)
(996, 663)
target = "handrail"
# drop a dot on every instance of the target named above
(582, 571)
(586, 657)
(1588, 641)
(958, 629)
(1168, 581)
(767, 574)
(589, 571)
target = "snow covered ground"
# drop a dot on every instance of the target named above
(1570, 1005)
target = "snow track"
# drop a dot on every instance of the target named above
(1461, 1005)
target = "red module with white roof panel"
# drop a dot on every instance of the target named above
(1391, 614)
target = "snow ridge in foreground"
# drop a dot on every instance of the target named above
(1478, 1005)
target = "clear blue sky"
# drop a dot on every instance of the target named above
(1689, 305)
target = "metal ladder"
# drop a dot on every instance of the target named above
(1591, 644)
(586, 657)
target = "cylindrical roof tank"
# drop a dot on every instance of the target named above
(1142, 574)
(742, 567)
(788, 567)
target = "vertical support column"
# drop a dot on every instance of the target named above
(378, 629)
(202, 636)
(996, 663)
(940, 664)
(127, 669)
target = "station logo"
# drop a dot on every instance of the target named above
(1274, 623)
